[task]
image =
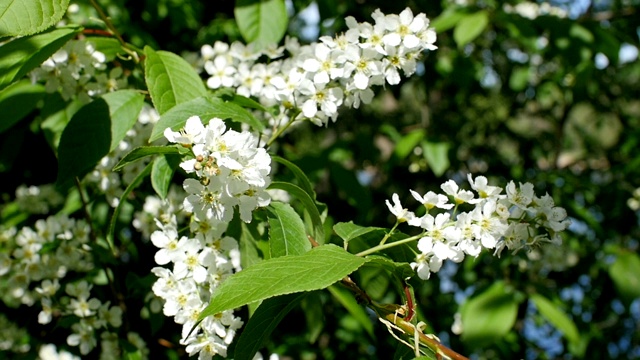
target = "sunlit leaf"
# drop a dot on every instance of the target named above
(261, 21)
(21, 55)
(470, 27)
(488, 316)
(26, 17)
(557, 317)
(313, 270)
(287, 234)
(171, 79)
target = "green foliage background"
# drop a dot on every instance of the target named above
(503, 96)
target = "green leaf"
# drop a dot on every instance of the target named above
(302, 178)
(57, 113)
(206, 108)
(17, 101)
(21, 55)
(307, 201)
(95, 130)
(161, 175)
(557, 317)
(400, 269)
(447, 19)
(263, 322)
(437, 156)
(26, 17)
(229, 94)
(519, 78)
(287, 235)
(625, 273)
(144, 151)
(470, 27)
(405, 146)
(488, 316)
(261, 21)
(345, 297)
(171, 79)
(313, 270)
(349, 231)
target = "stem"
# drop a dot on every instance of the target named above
(386, 237)
(85, 208)
(389, 245)
(282, 129)
(431, 343)
(114, 31)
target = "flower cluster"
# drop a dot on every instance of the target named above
(232, 170)
(78, 69)
(200, 263)
(515, 220)
(34, 264)
(318, 78)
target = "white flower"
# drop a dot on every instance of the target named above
(396, 209)
(459, 196)
(192, 133)
(83, 336)
(327, 99)
(522, 196)
(431, 200)
(221, 72)
(484, 190)
(488, 227)
(170, 246)
(326, 65)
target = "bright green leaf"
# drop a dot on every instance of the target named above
(206, 108)
(447, 20)
(161, 175)
(262, 323)
(625, 273)
(144, 151)
(557, 317)
(470, 27)
(488, 316)
(17, 101)
(349, 231)
(400, 269)
(95, 130)
(287, 235)
(261, 21)
(307, 201)
(26, 17)
(405, 146)
(437, 156)
(171, 79)
(519, 78)
(313, 270)
(580, 32)
(21, 55)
